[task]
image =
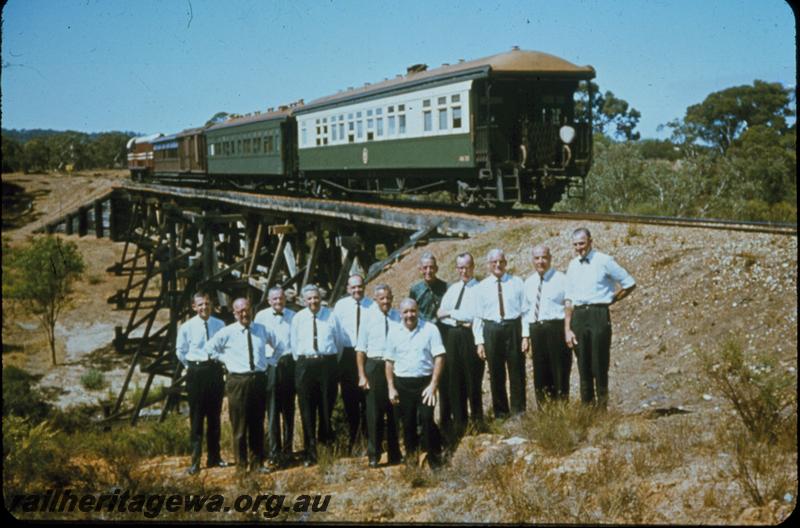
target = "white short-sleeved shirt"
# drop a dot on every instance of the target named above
(466, 310)
(330, 335)
(375, 332)
(551, 303)
(280, 326)
(413, 351)
(488, 302)
(191, 342)
(347, 310)
(593, 281)
(229, 345)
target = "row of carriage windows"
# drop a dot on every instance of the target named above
(375, 123)
(259, 145)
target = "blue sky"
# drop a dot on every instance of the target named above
(162, 66)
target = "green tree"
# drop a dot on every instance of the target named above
(108, 150)
(721, 119)
(610, 114)
(12, 154)
(36, 155)
(219, 117)
(40, 276)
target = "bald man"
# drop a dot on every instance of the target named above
(241, 346)
(543, 328)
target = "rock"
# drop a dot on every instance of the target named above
(707, 397)
(514, 441)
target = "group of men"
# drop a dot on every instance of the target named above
(392, 366)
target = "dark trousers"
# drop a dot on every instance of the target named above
(315, 381)
(592, 328)
(465, 372)
(205, 384)
(354, 399)
(380, 413)
(552, 361)
(246, 405)
(445, 405)
(280, 405)
(413, 413)
(503, 342)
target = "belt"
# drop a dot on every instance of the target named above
(548, 321)
(207, 363)
(505, 321)
(251, 373)
(314, 356)
(376, 358)
(587, 306)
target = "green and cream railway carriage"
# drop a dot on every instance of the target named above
(496, 130)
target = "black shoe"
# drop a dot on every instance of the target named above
(193, 470)
(373, 462)
(395, 459)
(219, 463)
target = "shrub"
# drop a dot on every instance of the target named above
(33, 455)
(93, 379)
(559, 428)
(762, 394)
(20, 398)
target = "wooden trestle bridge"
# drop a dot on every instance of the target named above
(178, 240)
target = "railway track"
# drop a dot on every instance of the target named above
(777, 228)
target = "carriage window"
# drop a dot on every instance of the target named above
(390, 120)
(426, 103)
(379, 123)
(456, 117)
(370, 124)
(257, 145)
(455, 98)
(369, 113)
(427, 120)
(370, 136)
(442, 100)
(401, 124)
(443, 119)
(341, 130)
(360, 129)
(378, 111)
(350, 138)
(401, 108)
(211, 150)
(303, 139)
(247, 146)
(238, 146)
(268, 145)
(390, 109)
(333, 132)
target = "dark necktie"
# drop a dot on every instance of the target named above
(250, 349)
(500, 299)
(385, 325)
(584, 260)
(460, 296)
(316, 347)
(205, 324)
(278, 314)
(538, 299)
(358, 317)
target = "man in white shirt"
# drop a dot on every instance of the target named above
(205, 382)
(280, 378)
(414, 363)
(498, 333)
(371, 360)
(317, 339)
(463, 366)
(241, 347)
(351, 312)
(543, 329)
(592, 279)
